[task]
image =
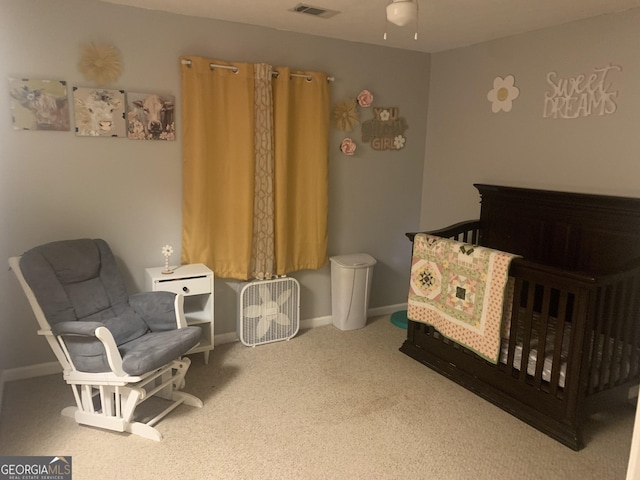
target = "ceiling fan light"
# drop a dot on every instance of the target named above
(402, 12)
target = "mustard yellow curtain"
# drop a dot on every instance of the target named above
(255, 182)
(301, 132)
(218, 165)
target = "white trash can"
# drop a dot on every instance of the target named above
(351, 277)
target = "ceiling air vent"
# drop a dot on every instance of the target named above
(315, 11)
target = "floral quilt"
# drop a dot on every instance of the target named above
(462, 291)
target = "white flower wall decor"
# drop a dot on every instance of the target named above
(503, 93)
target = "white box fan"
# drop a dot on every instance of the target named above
(268, 311)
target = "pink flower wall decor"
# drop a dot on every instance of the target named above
(348, 146)
(365, 98)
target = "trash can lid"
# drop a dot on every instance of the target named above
(354, 260)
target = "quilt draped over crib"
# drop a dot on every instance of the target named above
(461, 290)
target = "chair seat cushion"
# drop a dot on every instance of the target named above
(154, 350)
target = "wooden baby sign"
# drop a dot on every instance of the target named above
(385, 130)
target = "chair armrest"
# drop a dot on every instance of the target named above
(85, 329)
(157, 309)
(113, 354)
(181, 320)
(103, 342)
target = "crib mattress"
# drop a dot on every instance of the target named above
(620, 365)
(533, 360)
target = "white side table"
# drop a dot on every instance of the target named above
(195, 282)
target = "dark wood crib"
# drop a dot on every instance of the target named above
(576, 305)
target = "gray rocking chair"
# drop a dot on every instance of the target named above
(116, 350)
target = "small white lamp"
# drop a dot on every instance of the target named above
(167, 250)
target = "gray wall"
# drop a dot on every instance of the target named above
(467, 143)
(54, 185)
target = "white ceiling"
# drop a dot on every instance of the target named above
(442, 24)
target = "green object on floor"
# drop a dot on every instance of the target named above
(399, 319)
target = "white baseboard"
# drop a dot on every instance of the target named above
(49, 368)
(222, 338)
(315, 322)
(31, 371)
(231, 337)
(388, 310)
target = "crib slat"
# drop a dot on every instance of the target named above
(596, 341)
(526, 339)
(466, 237)
(542, 335)
(627, 332)
(605, 359)
(556, 367)
(618, 363)
(634, 336)
(515, 321)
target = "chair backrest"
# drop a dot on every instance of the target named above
(79, 280)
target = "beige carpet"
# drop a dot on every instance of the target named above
(326, 405)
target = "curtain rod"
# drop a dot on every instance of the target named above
(235, 69)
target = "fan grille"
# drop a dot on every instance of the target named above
(269, 311)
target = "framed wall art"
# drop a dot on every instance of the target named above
(150, 116)
(99, 112)
(39, 104)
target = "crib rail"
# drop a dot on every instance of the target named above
(572, 343)
(467, 232)
(571, 336)
(614, 346)
(547, 329)
(548, 320)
